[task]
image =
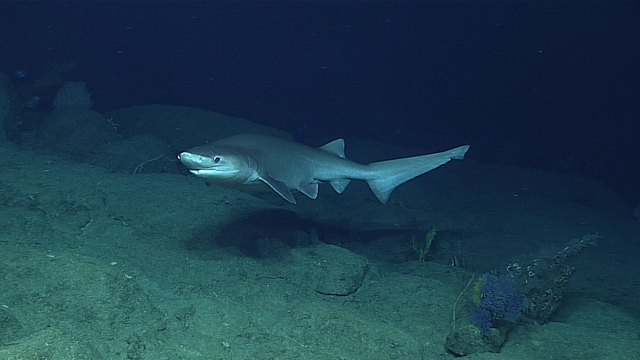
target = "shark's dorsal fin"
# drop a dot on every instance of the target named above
(279, 187)
(334, 147)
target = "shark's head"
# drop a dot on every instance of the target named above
(218, 164)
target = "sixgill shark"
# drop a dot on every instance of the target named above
(249, 161)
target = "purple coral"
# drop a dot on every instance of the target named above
(482, 318)
(499, 301)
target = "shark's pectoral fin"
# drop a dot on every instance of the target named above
(339, 184)
(281, 188)
(309, 189)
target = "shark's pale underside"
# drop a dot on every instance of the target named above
(248, 161)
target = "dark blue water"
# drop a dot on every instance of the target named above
(540, 84)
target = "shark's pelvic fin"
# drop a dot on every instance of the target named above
(309, 189)
(392, 173)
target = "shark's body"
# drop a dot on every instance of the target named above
(246, 161)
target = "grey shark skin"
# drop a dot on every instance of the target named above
(248, 161)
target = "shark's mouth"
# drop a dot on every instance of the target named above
(205, 172)
(201, 171)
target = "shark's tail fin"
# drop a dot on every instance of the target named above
(389, 174)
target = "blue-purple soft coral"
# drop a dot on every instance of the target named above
(482, 318)
(499, 301)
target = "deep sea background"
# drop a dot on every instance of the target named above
(550, 85)
(110, 248)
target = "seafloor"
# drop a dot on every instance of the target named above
(101, 258)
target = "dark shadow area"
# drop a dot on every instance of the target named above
(270, 234)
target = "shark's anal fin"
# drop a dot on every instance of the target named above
(279, 187)
(339, 185)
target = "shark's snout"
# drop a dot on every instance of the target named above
(212, 165)
(193, 161)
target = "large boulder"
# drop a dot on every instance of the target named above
(183, 127)
(75, 134)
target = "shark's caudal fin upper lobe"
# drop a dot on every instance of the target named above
(389, 174)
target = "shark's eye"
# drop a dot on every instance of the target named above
(216, 159)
